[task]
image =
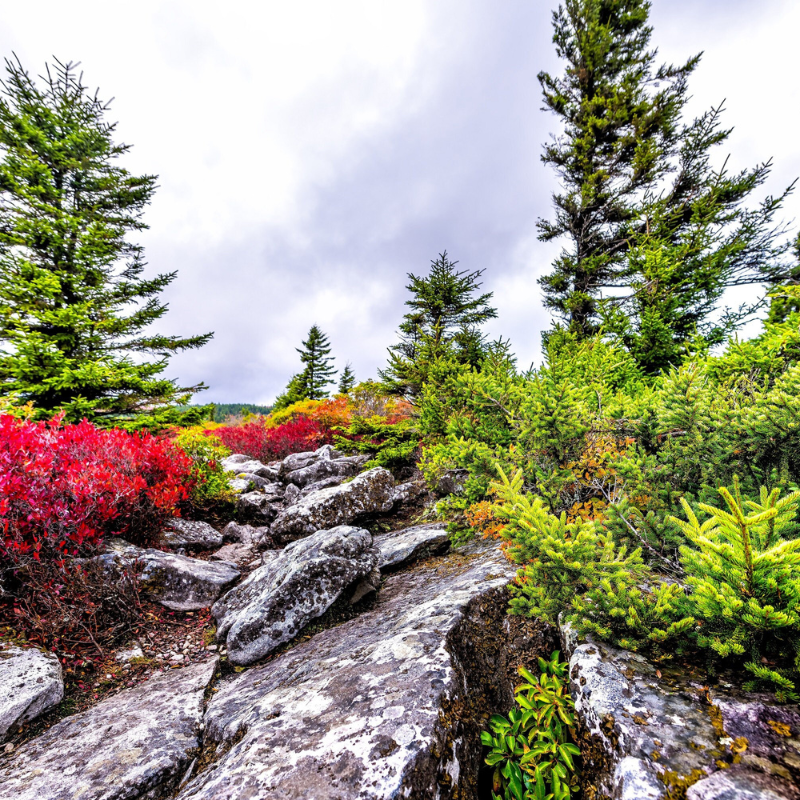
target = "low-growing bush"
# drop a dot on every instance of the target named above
(269, 444)
(210, 482)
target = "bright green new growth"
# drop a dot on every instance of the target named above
(531, 750)
(212, 484)
(75, 311)
(744, 580)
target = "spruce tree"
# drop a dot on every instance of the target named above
(620, 116)
(444, 322)
(347, 380)
(75, 310)
(319, 371)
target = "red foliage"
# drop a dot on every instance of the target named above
(270, 444)
(64, 487)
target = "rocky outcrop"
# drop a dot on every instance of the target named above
(325, 467)
(279, 599)
(401, 547)
(191, 535)
(135, 745)
(177, 582)
(257, 536)
(30, 684)
(387, 705)
(242, 556)
(650, 732)
(368, 493)
(240, 464)
(259, 506)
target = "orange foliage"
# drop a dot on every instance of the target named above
(480, 517)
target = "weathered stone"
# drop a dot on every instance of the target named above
(177, 582)
(646, 732)
(239, 554)
(258, 506)
(191, 535)
(291, 494)
(368, 493)
(30, 684)
(387, 705)
(409, 493)
(325, 483)
(254, 482)
(135, 745)
(247, 534)
(239, 463)
(452, 482)
(239, 485)
(133, 652)
(326, 468)
(740, 783)
(368, 585)
(274, 603)
(400, 547)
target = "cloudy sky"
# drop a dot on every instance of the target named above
(311, 153)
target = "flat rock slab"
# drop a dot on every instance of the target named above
(191, 535)
(401, 547)
(275, 602)
(368, 493)
(30, 684)
(239, 554)
(362, 710)
(136, 744)
(646, 734)
(177, 582)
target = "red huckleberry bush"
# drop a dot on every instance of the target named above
(64, 487)
(269, 444)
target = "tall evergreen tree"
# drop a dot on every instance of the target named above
(75, 311)
(444, 321)
(621, 124)
(317, 373)
(347, 380)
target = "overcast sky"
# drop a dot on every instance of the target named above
(311, 153)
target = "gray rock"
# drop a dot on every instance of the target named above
(134, 745)
(239, 485)
(368, 493)
(408, 493)
(400, 547)
(239, 554)
(191, 534)
(247, 534)
(325, 483)
(258, 506)
(373, 707)
(368, 585)
(291, 494)
(740, 783)
(254, 482)
(134, 651)
(326, 468)
(30, 684)
(239, 463)
(274, 603)
(452, 482)
(177, 582)
(643, 733)
(296, 461)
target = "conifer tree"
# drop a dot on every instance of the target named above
(75, 311)
(347, 380)
(620, 117)
(317, 373)
(444, 322)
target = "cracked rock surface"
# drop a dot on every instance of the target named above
(136, 745)
(30, 684)
(300, 583)
(191, 534)
(400, 547)
(367, 709)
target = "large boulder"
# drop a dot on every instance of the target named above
(279, 599)
(326, 468)
(258, 536)
(296, 461)
(401, 547)
(30, 684)
(191, 535)
(259, 506)
(177, 582)
(650, 732)
(368, 493)
(387, 705)
(240, 464)
(135, 745)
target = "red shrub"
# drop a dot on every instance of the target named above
(63, 487)
(270, 444)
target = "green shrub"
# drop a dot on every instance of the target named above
(212, 484)
(531, 750)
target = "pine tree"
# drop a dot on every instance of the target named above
(347, 380)
(444, 322)
(317, 373)
(620, 118)
(75, 311)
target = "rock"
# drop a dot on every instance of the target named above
(30, 684)
(366, 586)
(452, 482)
(177, 582)
(136, 744)
(254, 482)
(387, 705)
(274, 603)
(325, 483)
(325, 468)
(239, 463)
(247, 534)
(400, 547)
(368, 493)
(296, 461)
(239, 554)
(291, 494)
(258, 506)
(740, 783)
(134, 651)
(191, 535)
(409, 493)
(644, 734)
(239, 485)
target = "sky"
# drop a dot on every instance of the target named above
(311, 154)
